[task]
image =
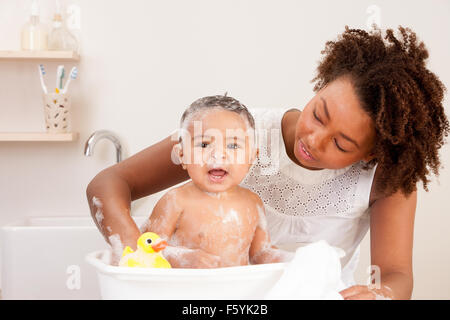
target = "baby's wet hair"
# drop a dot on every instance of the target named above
(217, 102)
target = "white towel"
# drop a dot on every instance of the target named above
(313, 273)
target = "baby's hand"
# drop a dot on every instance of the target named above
(180, 257)
(272, 255)
(202, 259)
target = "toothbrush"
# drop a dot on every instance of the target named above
(73, 76)
(61, 79)
(41, 76)
(59, 72)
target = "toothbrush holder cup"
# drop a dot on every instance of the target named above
(57, 112)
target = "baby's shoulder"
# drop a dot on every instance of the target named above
(251, 196)
(175, 195)
(184, 188)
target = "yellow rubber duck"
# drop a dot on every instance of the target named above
(148, 253)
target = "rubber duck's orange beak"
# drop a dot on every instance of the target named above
(159, 245)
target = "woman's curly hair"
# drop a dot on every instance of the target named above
(403, 98)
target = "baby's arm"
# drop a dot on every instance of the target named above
(164, 217)
(261, 250)
(163, 221)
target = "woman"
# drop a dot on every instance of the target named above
(349, 160)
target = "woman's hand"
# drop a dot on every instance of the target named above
(367, 293)
(180, 257)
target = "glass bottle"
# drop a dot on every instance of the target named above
(60, 38)
(34, 34)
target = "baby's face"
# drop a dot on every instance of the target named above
(217, 149)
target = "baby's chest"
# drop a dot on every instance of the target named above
(220, 224)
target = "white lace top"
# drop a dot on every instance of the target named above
(304, 206)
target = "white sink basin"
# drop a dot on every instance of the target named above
(44, 258)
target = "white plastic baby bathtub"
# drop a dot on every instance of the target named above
(244, 282)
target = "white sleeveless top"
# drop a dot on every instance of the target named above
(304, 206)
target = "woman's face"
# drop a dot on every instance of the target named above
(334, 129)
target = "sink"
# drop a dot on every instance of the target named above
(44, 258)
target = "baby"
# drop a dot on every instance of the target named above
(211, 221)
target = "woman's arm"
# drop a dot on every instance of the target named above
(111, 191)
(391, 245)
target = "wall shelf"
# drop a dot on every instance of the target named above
(41, 55)
(38, 136)
(49, 55)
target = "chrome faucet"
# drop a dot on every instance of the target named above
(103, 134)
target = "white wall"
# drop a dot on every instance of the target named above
(142, 62)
